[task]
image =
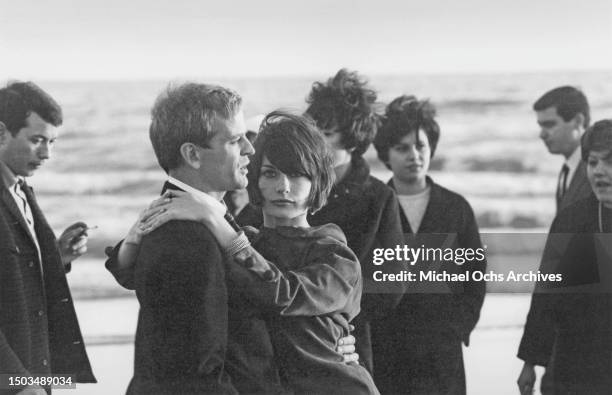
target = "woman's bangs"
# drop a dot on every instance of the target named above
(287, 157)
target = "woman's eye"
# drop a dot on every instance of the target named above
(268, 173)
(592, 162)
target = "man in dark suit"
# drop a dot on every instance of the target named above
(39, 331)
(563, 115)
(199, 137)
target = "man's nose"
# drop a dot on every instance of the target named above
(543, 133)
(247, 147)
(44, 151)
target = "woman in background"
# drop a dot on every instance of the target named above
(417, 349)
(362, 206)
(579, 250)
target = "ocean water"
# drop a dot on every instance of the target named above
(104, 171)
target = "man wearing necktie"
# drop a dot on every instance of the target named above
(563, 114)
(39, 331)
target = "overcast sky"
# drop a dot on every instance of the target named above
(147, 39)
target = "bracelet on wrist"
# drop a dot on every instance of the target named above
(240, 242)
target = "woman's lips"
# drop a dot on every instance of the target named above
(282, 202)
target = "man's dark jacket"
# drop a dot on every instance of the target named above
(538, 332)
(181, 338)
(39, 331)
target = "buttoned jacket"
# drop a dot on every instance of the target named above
(39, 331)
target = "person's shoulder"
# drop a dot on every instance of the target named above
(330, 232)
(183, 234)
(378, 190)
(329, 239)
(576, 216)
(189, 246)
(449, 197)
(375, 183)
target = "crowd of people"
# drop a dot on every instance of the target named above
(271, 291)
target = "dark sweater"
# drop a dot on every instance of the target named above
(312, 293)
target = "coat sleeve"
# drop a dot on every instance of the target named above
(474, 291)
(124, 276)
(538, 334)
(380, 298)
(181, 282)
(328, 279)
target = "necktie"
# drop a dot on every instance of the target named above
(25, 207)
(230, 218)
(562, 183)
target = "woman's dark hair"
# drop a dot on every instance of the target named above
(346, 103)
(404, 115)
(294, 145)
(597, 137)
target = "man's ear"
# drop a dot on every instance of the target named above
(190, 155)
(579, 120)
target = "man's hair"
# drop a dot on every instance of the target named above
(347, 103)
(187, 113)
(405, 115)
(18, 100)
(597, 138)
(295, 146)
(568, 101)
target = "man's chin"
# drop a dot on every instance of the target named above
(240, 183)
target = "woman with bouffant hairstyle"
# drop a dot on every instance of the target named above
(418, 349)
(344, 109)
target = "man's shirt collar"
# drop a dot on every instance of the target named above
(8, 178)
(194, 192)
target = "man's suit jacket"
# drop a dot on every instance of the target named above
(579, 188)
(39, 331)
(181, 339)
(537, 342)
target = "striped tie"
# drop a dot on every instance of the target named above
(25, 207)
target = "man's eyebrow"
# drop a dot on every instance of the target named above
(236, 136)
